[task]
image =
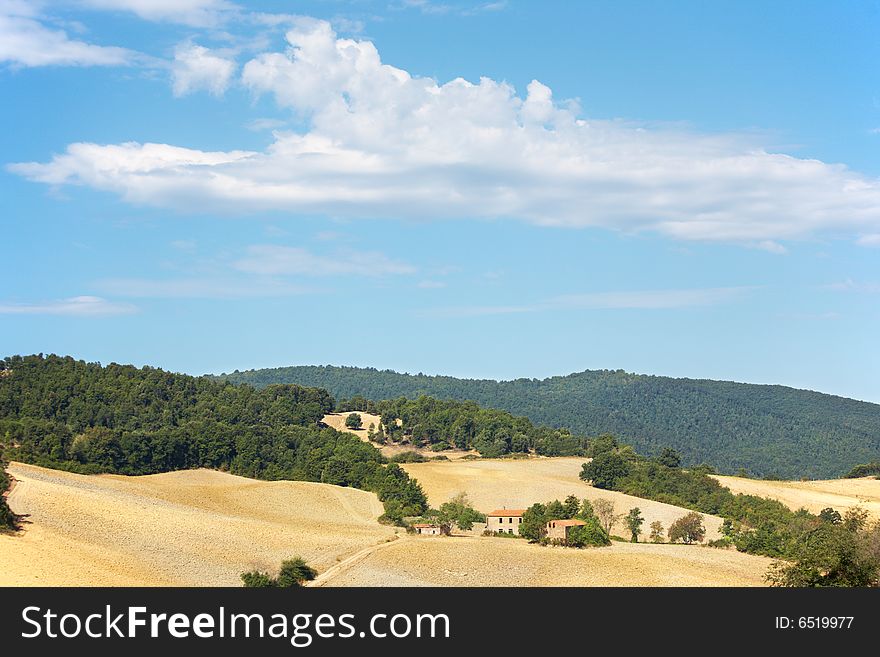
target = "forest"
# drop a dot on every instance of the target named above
(762, 429)
(68, 414)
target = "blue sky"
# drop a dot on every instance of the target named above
(481, 189)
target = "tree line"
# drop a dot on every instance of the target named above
(68, 414)
(766, 430)
(817, 550)
(443, 424)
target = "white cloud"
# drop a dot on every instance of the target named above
(199, 288)
(645, 300)
(274, 260)
(196, 68)
(383, 143)
(84, 306)
(258, 125)
(849, 285)
(431, 285)
(869, 240)
(25, 40)
(196, 13)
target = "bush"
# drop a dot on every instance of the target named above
(590, 534)
(257, 580)
(409, 456)
(293, 573)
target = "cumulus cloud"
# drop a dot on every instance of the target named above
(196, 13)
(26, 40)
(196, 68)
(276, 260)
(83, 306)
(381, 142)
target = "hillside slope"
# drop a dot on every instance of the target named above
(764, 429)
(188, 528)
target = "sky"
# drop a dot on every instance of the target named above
(479, 189)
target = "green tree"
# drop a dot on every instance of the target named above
(354, 421)
(634, 521)
(294, 572)
(602, 445)
(459, 511)
(571, 506)
(590, 534)
(586, 511)
(830, 555)
(687, 529)
(533, 523)
(605, 470)
(669, 457)
(830, 515)
(257, 580)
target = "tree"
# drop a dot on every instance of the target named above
(601, 445)
(656, 532)
(533, 523)
(831, 555)
(257, 580)
(855, 519)
(459, 511)
(605, 470)
(687, 529)
(586, 535)
(669, 457)
(571, 506)
(354, 421)
(586, 511)
(634, 521)
(294, 572)
(830, 515)
(605, 513)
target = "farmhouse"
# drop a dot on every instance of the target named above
(504, 521)
(428, 529)
(558, 529)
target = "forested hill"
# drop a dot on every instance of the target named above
(768, 430)
(64, 413)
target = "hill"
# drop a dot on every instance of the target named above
(838, 494)
(199, 527)
(85, 417)
(766, 429)
(187, 528)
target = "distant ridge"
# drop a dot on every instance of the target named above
(769, 430)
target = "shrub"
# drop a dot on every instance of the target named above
(590, 534)
(293, 573)
(257, 580)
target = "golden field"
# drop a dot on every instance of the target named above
(840, 494)
(188, 528)
(483, 561)
(519, 483)
(200, 527)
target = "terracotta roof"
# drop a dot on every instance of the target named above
(506, 512)
(422, 525)
(574, 522)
